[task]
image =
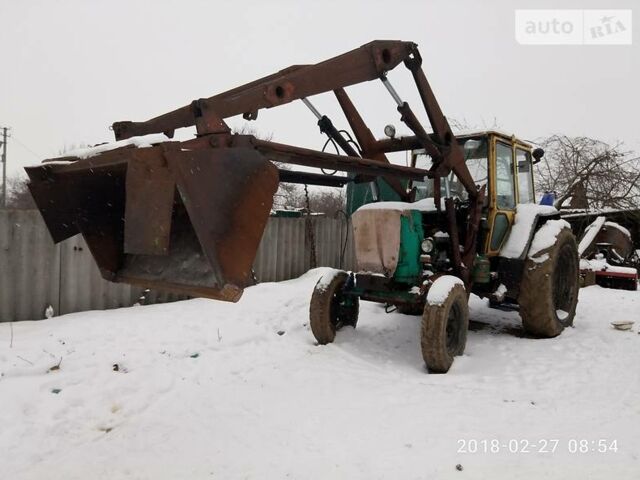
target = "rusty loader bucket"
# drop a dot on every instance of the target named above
(188, 216)
(188, 221)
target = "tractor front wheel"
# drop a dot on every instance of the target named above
(549, 287)
(444, 330)
(330, 308)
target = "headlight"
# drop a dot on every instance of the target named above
(427, 245)
(390, 131)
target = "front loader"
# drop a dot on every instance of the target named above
(188, 216)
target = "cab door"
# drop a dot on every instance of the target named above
(526, 191)
(502, 204)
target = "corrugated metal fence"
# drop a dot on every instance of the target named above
(35, 273)
(286, 248)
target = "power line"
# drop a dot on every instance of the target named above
(26, 148)
(4, 167)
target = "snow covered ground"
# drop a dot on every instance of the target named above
(204, 389)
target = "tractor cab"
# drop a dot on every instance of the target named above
(498, 161)
(404, 241)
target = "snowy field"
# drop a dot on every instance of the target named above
(203, 389)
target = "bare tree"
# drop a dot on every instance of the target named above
(465, 126)
(327, 201)
(588, 173)
(288, 195)
(18, 194)
(292, 196)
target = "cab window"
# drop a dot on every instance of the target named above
(525, 179)
(476, 158)
(505, 191)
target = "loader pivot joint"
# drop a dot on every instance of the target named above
(414, 60)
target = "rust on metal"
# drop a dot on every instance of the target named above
(360, 65)
(188, 216)
(366, 139)
(149, 191)
(312, 158)
(228, 195)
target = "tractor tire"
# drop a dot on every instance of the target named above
(549, 288)
(444, 330)
(330, 310)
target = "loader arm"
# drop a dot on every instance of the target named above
(368, 62)
(188, 216)
(365, 63)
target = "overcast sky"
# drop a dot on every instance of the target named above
(71, 68)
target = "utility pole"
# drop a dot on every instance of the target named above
(4, 167)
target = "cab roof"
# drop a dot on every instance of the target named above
(479, 133)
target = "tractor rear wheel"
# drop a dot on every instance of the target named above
(330, 308)
(444, 330)
(549, 288)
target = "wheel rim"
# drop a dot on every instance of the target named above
(565, 281)
(453, 328)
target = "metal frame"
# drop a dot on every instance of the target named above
(154, 173)
(369, 62)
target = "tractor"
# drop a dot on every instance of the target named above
(188, 216)
(525, 255)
